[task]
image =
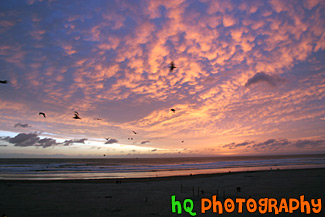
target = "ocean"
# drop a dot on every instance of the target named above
(115, 168)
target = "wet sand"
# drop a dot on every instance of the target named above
(152, 196)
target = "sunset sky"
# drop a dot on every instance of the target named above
(250, 78)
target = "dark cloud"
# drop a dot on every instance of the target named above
(230, 146)
(111, 141)
(243, 144)
(5, 138)
(69, 142)
(234, 145)
(262, 77)
(276, 144)
(33, 139)
(312, 143)
(145, 142)
(271, 144)
(46, 142)
(24, 139)
(22, 125)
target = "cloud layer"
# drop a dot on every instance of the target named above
(22, 125)
(110, 61)
(272, 145)
(262, 77)
(111, 141)
(33, 139)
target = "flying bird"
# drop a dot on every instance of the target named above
(134, 132)
(172, 66)
(97, 119)
(76, 115)
(182, 141)
(3, 81)
(173, 110)
(42, 113)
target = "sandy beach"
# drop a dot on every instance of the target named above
(152, 196)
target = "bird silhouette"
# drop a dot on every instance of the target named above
(182, 141)
(172, 66)
(134, 132)
(173, 110)
(76, 115)
(3, 81)
(97, 119)
(42, 113)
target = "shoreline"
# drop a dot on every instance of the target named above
(158, 178)
(152, 196)
(106, 169)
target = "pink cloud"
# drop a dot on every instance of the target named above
(110, 59)
(228, 21)
(6, 23)
(309, 4)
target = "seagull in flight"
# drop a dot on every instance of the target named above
(173, 110)
(42, 113)
(3, 81)
(76, 115)
(172, 66)
(134, 132)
